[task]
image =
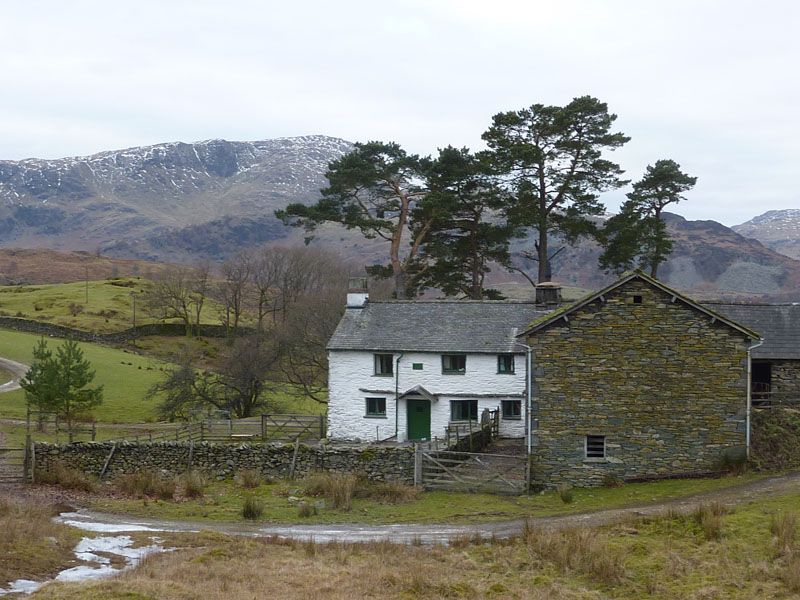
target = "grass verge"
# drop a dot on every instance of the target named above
(222, 501)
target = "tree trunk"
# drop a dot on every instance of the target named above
(544, 272)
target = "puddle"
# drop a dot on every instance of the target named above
(86, 523)
(96, 551)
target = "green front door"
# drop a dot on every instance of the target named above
(419, 419)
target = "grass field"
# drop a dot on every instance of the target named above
(223, 502)
(126, 378)
(109, 306)
(750, 553)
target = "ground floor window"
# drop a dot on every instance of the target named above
(595, 446)
(376, 407)
(512, 409)
(463, 410)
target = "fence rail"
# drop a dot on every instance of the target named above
(767, 399)
(269, 428)
(471, 472)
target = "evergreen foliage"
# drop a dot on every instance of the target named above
(59, 383)
(637, 236)
(551, 163)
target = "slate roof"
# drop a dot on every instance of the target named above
(457, 326)
(778, 324)
(564, 311)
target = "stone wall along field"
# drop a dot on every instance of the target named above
(224, 460)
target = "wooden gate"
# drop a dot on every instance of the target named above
(470, 472)
(292, 427)
(13, 465)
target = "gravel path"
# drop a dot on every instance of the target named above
(430, 534)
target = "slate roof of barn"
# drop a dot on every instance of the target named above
(778, 324)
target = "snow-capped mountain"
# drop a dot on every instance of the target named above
(777, 229)
(126, 196)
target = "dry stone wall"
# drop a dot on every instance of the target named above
(786, 377)
(224, 460)
(662, 382)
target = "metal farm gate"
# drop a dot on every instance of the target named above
(470, 472)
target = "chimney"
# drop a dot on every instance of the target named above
(357, 295)
(548, 292)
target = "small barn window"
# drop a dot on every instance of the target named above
(595, 446)
(383, 365)
(512, 409)
(454, 363)
(637, 299)
(376, 407)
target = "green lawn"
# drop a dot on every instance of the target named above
(126, 378)
(223, 501)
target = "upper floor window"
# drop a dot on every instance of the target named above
(454, 363)
(505, 363)
(384, 365)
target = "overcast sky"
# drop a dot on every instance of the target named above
(711, 84)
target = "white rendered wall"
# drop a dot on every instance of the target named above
(352, 380)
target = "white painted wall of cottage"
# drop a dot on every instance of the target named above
(352, 380)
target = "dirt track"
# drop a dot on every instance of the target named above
(430, 534)
(18, 370)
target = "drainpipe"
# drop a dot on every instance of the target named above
(749, 392)
(397, 394)
(528, 403)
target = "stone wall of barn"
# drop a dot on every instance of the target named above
(663, 383)
(786, 377)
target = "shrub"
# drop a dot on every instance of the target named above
(709, 517)
(791, 576)
(249, 478)
(338, 487)
(783, 526)
(395, 492)
(165, 489)
(194, 484)
(565, 493)
(612, 480)
(142, 483)
(252, 508)
(306, 509)
(61, 475)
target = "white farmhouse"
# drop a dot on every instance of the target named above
(407, 369)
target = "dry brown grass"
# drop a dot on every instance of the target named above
(65, 477)
(249, 478)
(31, 543)
(194, 484)
(145, 484)
(784, 526)
(583, 550)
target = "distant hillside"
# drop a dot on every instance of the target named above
(135, 202)
(37, 267)
(180, 202)
(776, 229)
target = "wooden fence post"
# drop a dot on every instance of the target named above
(26, 461)
(263, 428)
